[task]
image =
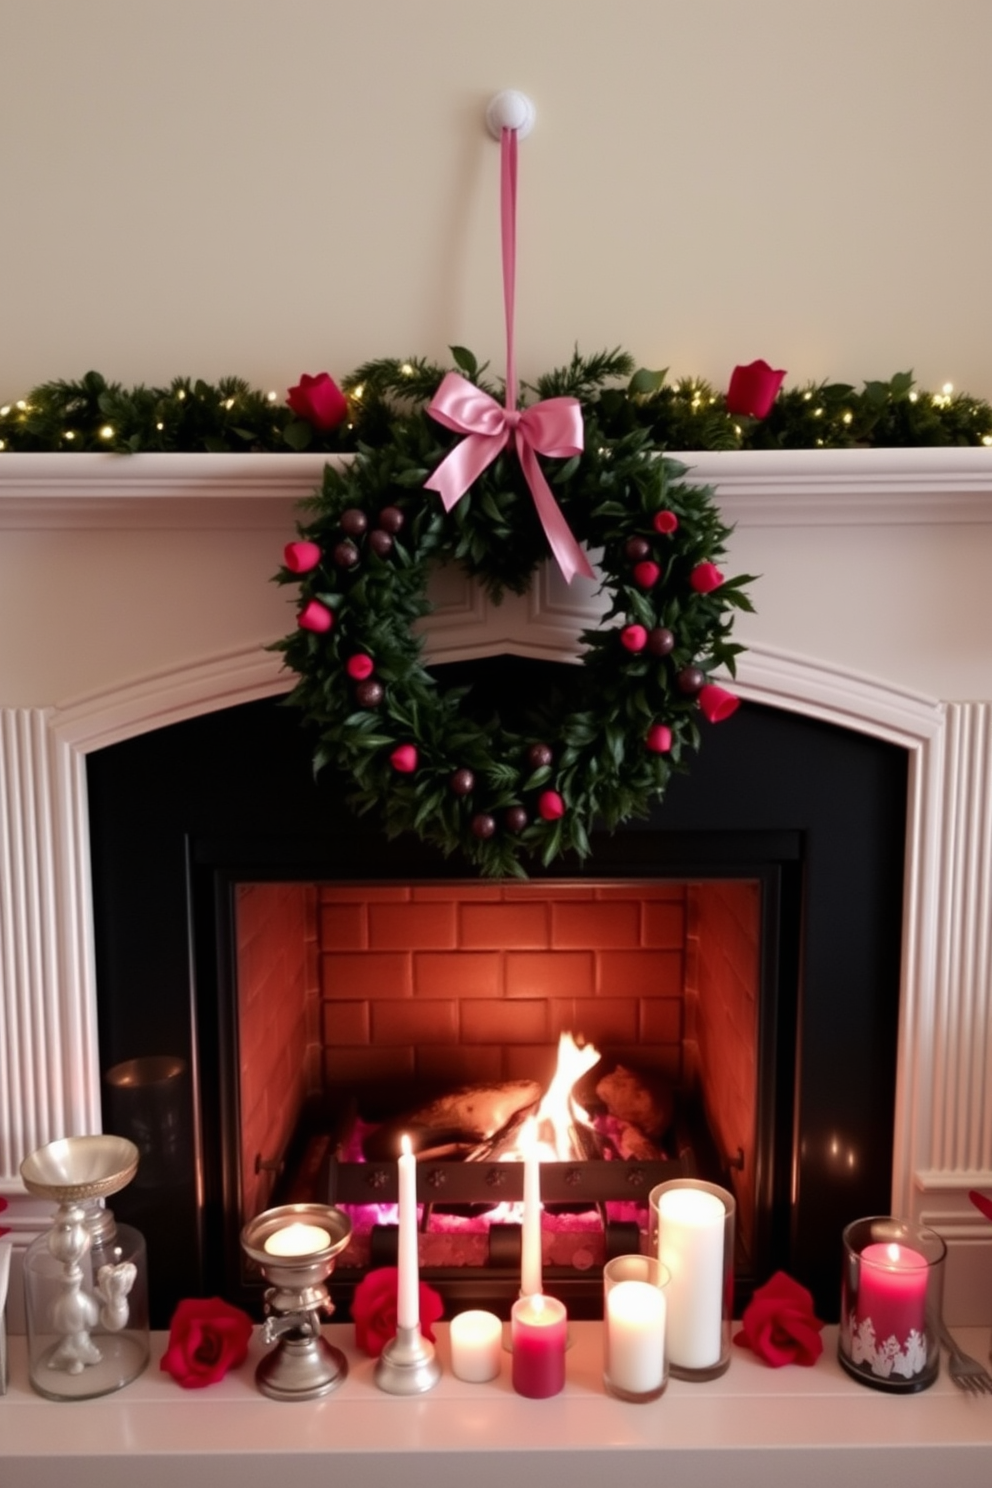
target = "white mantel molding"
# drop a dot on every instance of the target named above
(803, 488)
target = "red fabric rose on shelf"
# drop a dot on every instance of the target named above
(373, 1309)
(753, 389)
(207, 1337)
(319, 400)
(779, 1324)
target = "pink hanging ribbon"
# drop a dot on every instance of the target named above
(552, 427)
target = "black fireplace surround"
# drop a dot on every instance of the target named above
(179, 815)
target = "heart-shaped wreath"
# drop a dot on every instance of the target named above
(438, 762)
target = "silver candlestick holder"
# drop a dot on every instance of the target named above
(408, 1364)
(295, 1247)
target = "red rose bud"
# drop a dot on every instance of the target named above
(646, 574)
(550, 806)
(315, 616)
(717, 703)
(359, 667)
(301, 557)
(665, 522)
(207, 1337)
(659, 739)
(634, 637)
(752, 389)
(705, 577)
(319, 400)
(404, 759)
(779, 1324)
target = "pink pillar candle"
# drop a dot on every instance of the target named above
(893, 1291)
(539, 1334)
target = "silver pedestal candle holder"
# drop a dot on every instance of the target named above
(303, 1365)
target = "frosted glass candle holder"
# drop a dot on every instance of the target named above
(891, 1299)
(692, 1235)
(635, 1366)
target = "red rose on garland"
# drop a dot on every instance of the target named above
(779, 1324)
(319, 400)
(207, 1337)
(717, 703)
(373, 1309)
(753, 389)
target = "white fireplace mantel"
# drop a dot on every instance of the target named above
(135, 591)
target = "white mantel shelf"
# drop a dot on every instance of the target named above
(754, 1428)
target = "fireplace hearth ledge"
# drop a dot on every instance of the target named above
(754, 1426)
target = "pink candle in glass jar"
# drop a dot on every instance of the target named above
(539, 1336)
(893, 1291)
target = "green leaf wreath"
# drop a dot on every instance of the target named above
(439, 762)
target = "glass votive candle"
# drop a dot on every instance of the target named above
(538, 1340)
(476, 1346)
(634, 1307)
(692, 1234)
(891, 1299)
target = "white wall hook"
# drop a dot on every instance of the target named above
(510, 110)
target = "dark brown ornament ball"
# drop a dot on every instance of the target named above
(483, 825)
(369, 694)
(637, 548)
(660, 641)
(539, 755)
(691, 679)
(354, 521)
(345, 554)
(391, 519)
(462, 782)
(380, 542)
(516, 818)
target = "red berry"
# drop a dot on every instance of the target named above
(380, 542)
(705, 577)
(516, 818)
(391, 519)
(369, 694)
(315, 616)
(634, 637)
(690, 680)
(659, 739)
(359, 666)
(483, 825)
(646, 574)
(637, 548)
(354, 521)
(539, 755)
(404, 759)
(462, 782)
(665, 522)
(660, 641)
(550, 806)
(345, 554)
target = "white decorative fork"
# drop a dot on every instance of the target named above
(966, 1372)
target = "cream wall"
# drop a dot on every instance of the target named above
(215, 186)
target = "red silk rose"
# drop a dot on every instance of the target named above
(752, 389)
(717, 703)
(207, 1337)
(705, 577)
(659, 739)
(550, 806)
(779, 1324)
(404, 759)
(373, 1309)
(315, 616)
(319, 400)
(301, 557)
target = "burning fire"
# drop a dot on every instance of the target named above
(559, 1112)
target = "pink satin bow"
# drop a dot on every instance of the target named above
(553, 427)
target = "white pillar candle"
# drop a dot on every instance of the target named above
(635, 1337)
(690, 1243)
(408, 1283)
(476, 1346)
(531, 1280)
(297, 1239)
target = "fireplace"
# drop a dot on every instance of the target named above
(158, 611)
(790, 829)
